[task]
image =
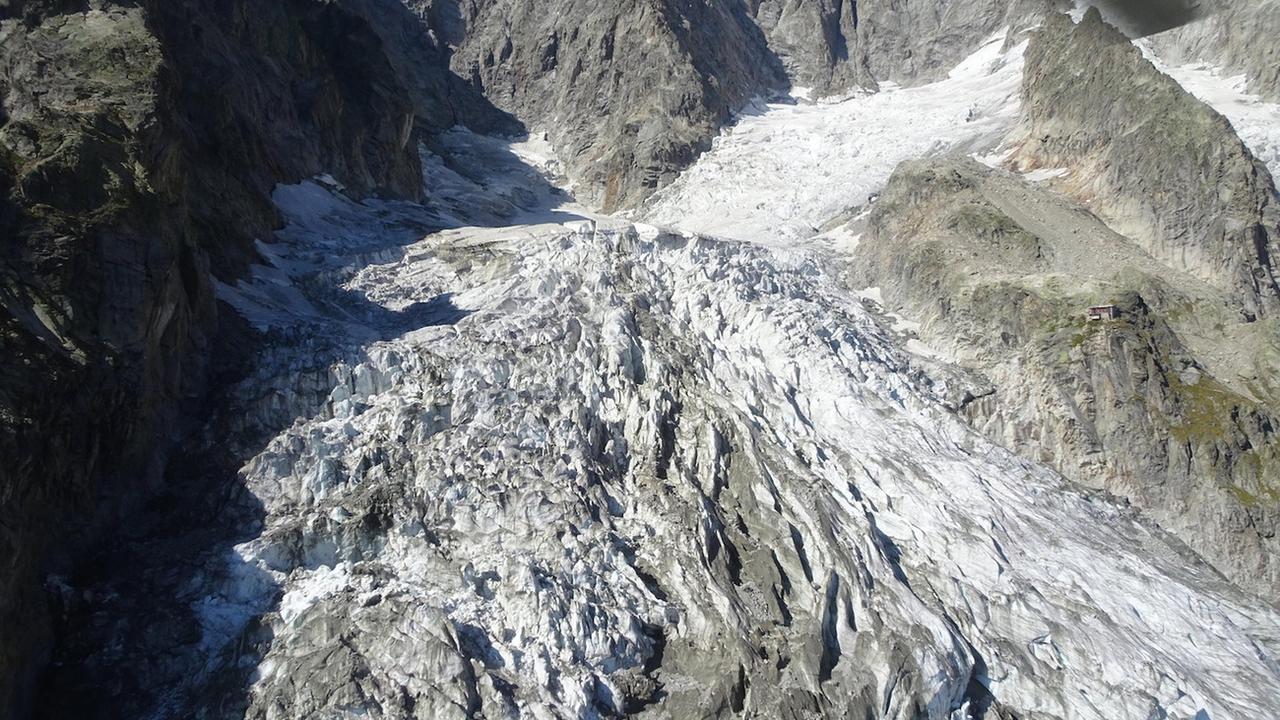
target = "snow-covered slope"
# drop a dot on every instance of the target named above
(785, 172)
(781, 173)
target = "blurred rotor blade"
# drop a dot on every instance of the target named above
(1139, 18)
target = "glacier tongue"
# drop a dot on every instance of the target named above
(581, 467)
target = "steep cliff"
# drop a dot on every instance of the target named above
(1181, 182)
(834, 46)
(138, 148)
(629, 92)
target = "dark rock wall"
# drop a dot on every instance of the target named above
(138, 148)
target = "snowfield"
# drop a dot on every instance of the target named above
(781, 173)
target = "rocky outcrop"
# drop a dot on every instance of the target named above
(1159, 165)
(629, 93)
(815, 39)
(419, 60)
(923, 41)
(139, 144)
(1000, 271)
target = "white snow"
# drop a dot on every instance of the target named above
(994, 159)
(840, 239)
(778, 176)
(907, 330)
(1077, 610)
(1045, 174)
(309, 587)
(802, 93)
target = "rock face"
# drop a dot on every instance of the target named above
(816, 40)
(923, 41)
(419, 61)
(836, 45)
(1153, 408)
(629, 92)
(999, 272)
(1181, 183)
(138, 148)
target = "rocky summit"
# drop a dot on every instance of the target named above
(416, 359)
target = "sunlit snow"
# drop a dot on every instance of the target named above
(782, 171)
(506, 363)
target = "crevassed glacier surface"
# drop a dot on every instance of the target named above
(571, 466)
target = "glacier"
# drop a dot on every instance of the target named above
(788, 171)
(546, 463)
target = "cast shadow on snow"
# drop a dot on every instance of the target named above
(164, 620)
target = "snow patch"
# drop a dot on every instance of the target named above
(841, 239)
(1045, 174)
(994, 159)
(308, 587)
(802, 93)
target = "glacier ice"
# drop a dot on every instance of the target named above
(566, 465)
(635, 464)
